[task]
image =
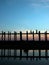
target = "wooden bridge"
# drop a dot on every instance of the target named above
(24, 44)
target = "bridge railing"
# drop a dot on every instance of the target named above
(9, 35)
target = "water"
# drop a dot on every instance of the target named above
(11, 61)
(24, 61)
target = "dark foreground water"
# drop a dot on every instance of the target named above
(12, 61)
(25, 61)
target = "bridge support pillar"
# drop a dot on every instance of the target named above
(39, 54)
(33, 54)
(46, 53)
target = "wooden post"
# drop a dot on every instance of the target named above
(33, 54)
(46, 36)
(2, 36)
(14, 52)
(46, 53)
(27, 35)
(20, 52)
(1, 52)
(4, 52)
(33, 35)
(8, 35)
(8, 52)
(39, 53)
(27, 55)
(20, 36)
(39, 35)
(15, 36)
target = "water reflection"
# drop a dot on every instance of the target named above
(27, 57)
(26, 51)
(9, 53)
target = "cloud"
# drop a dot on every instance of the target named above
(44, 0)
(35, 4)
(40, 3)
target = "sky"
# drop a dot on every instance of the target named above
(24, 15)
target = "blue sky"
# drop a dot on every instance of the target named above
(24, 15)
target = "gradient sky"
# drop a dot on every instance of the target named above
(24, 15)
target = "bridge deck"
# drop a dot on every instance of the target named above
(24, 45)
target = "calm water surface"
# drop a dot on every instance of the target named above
(24, 61)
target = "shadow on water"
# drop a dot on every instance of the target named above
(26, 51)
